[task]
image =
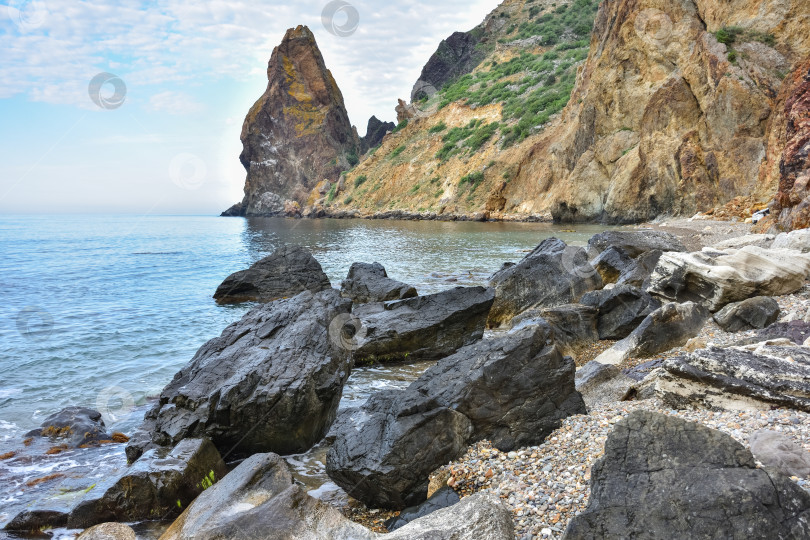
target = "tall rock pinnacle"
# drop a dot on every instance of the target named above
(298, 133)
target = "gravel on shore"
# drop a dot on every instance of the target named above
(545, 486)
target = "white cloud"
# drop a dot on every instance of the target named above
(63, 45)
(174, 103)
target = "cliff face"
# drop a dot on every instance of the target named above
(788, 165)
(670, 113)
(298, 133)
(669, 107)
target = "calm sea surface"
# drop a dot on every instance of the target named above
(101, 311)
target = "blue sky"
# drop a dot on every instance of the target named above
(192, 70)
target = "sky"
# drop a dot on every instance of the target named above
(135, 106)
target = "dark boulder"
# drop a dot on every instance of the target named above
(512, 390)
(158, 486)
(552, 274)
(421, 328)
(620, 310)
(74, 426)
(443, 498)
(670, 326)
(370, 283)
(635, 243)
(287, 272)
(612, 263)
(638, 274)
(721, 378)
(271, 381)
(457, 55)
(574, 325)
(796, 331)
(663, 477)
(754, 313)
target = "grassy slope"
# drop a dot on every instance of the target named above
(465, 144)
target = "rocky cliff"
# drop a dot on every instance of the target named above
(297, 134)
(614, 112)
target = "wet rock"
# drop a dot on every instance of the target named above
(620, 310)
(287, 272)
(512, 390)
(717, 278)
(74, 426)
(258, 499)
(754, 313)
(670, 326)
(663, 477)
(552, 274)
(778, 451)
(157, 486)
(108, 531)
(736, 378)
(271, 381)
(420, 328)
(612, 263)
(443, 498)
(370, 283)
(635, 243)
(237, 210)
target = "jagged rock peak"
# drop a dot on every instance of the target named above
(298, 133)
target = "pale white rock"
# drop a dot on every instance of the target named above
(716, 278)
(797, 240)
(758, 240)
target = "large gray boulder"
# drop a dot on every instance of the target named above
(422, 328)
(552, 274)
(754, 313)
(736, 378)
(602, 383)
(779, 452)
(638, 274)
(258, 500)
(370, 283)
(159, 485)
(620, 309)
(287, 272)
(798, 240)
(512, 390)
(670, 326)
(271, 381)
(635, 243)
(663, 477)
(717, 278)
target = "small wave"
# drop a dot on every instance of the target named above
(158, 253)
